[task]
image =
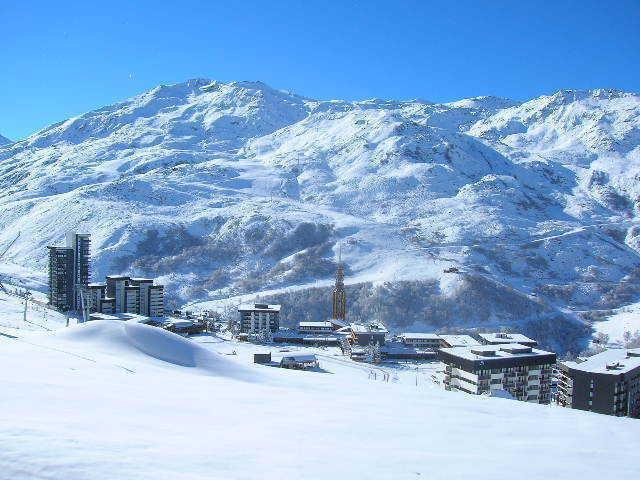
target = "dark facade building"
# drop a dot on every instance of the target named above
(607, 383)
(80, 243)
(368, 334)
(61, 281)
(522, 371)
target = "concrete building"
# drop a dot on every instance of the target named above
(80, 243)
(259, 317)
(131, 299)
(145, 284)
(107, 305)
(156, 301)
(500, 338)
(521, 371)
(315, 327)
(116, 285)
(95, 292)
(608, 383)
(368, 334)
(61, 281)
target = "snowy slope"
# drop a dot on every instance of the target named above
(226, 189)
(4, 140)
(111, 399)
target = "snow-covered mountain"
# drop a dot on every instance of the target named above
(225, 189)
(4, 140)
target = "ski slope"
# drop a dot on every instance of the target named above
(110, 399)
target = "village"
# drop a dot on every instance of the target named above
(494, 363)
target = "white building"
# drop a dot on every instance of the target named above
(259, 317)
(524, 372)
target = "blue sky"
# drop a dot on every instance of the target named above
(61, 59)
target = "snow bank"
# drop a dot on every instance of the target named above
(129, 339)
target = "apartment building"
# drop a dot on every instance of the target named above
(61, 282)
(500, 338)
(608, 383)
(155, 302)
(131, 299)
(123, 294)
(144, 284)
(95, 292)
(80, 243)
(259, 317)
(522, 371)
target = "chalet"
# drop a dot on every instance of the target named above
(298, 361)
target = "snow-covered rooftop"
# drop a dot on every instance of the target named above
(499, 338)
(460, 340)
(316, 324)
(489, 352)
(374, 327)
(613, 361)
(259, 307)
(420, 336)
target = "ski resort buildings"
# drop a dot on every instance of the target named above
(259, 317)
(69, 271)
(124, 294)
(69, 276)
(608, 383)
(521, 371)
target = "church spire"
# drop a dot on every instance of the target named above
(339, 294)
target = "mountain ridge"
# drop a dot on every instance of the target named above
(222, 189)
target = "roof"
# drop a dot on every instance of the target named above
(140, 279)
(260, 307)
(460, 340)
(420, 336)
(495, 352)
(97, 285)
(619, 360)
(374, 327)
(315, 324)
(118, 277)
(300, 357)
(499, 337)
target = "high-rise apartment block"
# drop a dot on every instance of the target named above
(69, 272)
(69, 276)
(61, 283)
(80, 243)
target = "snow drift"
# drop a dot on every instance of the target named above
(136, 340)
